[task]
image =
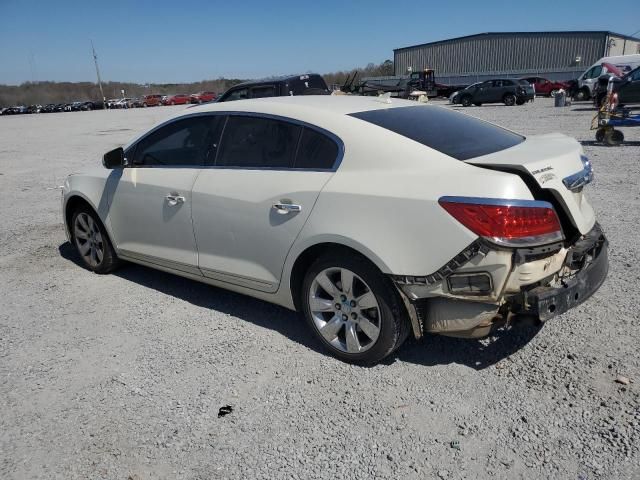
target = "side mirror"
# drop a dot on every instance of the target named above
(113, 158)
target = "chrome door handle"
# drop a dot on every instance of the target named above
(286, 208)
(174, 199)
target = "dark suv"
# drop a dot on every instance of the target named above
(500, 90)
(308, 84)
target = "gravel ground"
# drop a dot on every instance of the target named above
(122, 376)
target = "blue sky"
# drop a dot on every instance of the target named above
(183, 41)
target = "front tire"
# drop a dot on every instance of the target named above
(92, 242)
(353, 309)
(466, 101)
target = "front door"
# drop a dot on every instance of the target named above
(250, 206)
(150, 209)
(630, 92)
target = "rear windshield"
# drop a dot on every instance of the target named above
(308, 85)
(455, 134)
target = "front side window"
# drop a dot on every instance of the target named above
(240, 94)
(185, 142)
(594, 72)
(256, 142)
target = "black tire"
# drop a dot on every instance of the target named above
(553, 92)
(394, 324)
(582, 94)
(600, 135)
(509, 99)
(465, 101)
(477, 104)
(110, 260)
(613, 137)
(520, 101)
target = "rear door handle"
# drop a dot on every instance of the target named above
(286, 208)
(174, 199)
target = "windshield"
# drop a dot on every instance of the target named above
(455, 134)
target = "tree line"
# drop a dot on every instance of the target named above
(30, 93)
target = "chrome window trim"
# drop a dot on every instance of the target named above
(338, 141)
(507, 202)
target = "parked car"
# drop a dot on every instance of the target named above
(499, 90)
(112, 102)
(179, 99)
(122, 103)
(151, 100)
(48, 108)
(455, 96)
(34, 109)
(305, 209)
(587, 81)
(308, 84)
(625, 88)
(135, 103)
(15, 110)
(543, 86)
(202, 97)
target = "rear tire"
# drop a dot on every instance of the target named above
(353, 309)
(553, 92)
(582, 94)
(91, 241)
(509, 99)
(613, 137)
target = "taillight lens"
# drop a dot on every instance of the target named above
(514, 223)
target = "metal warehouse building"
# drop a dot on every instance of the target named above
(555, 55)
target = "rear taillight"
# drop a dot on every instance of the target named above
(513, 223)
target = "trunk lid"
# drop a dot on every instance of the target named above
(552, 167)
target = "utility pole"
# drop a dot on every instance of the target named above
(95, 60)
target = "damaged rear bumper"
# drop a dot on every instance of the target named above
(541, 282)
(547, 302)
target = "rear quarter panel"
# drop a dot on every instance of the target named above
(383, 201)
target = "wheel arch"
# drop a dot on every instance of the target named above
(72, 203)
(311, 253)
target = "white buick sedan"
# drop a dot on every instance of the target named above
(375, 219)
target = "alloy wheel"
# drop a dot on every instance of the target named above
(88, 239)
(344, 310)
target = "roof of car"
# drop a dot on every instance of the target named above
(335, 104)
(280, 79)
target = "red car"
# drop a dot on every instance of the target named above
(179, 99)
(151, 100)
(546, 87)
(202, 97)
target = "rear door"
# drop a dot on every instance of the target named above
(150, 210)
(250, 205)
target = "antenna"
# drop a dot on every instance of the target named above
(95, 60)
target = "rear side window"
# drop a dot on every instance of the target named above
(455, 134)
(254, 142)
(185, 142)
(262, 92)
(316, 151)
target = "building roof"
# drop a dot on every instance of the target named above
(505, 34)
